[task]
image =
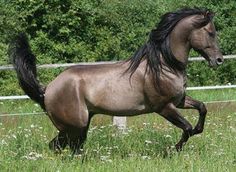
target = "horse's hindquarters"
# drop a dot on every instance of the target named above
(65, 103)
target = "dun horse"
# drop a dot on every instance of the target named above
(152, 80)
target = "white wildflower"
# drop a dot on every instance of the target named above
(146, 157)
(3, 142)
(148, 141)
(33, 156)
(168, 136)
(14, 136)
(104, 158)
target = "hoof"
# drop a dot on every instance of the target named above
(179, 147)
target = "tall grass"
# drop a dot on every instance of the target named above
(146, 145)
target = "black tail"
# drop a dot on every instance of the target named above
(24, 63)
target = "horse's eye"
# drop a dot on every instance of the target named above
(211, 34)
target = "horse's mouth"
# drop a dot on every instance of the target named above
(212, 61)
(212, 64)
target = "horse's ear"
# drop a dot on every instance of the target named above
(205, 19)
(208, 15)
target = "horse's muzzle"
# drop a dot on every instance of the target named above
(214, 62)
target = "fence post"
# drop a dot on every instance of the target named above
(120, 122)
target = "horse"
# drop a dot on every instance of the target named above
(153, 80)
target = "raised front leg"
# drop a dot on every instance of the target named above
(190, 103)
(171, 113)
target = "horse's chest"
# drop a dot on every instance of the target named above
(176, 87)
(170, 89)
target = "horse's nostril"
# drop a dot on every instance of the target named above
(219, 61)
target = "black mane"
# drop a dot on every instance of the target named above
(158, 43)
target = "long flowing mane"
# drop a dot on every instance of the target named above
(158, 44)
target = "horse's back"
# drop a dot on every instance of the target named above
(104, 88)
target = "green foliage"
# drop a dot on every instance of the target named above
(105, 30)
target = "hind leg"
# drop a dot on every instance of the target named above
(76, 139)
(59, 142)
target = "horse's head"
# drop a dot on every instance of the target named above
(203, 39)
(176, 33)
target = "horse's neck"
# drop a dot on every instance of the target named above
(166, 68)
(179, 40)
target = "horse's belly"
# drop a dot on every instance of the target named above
(127, 104)
(125, 111)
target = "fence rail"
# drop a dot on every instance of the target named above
(188, 88)
(16, 97)
(10, 67)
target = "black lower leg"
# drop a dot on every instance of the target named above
(77, 140)
(171, 113)
(59, 142)
(76, 143)
(185, 136)
(190, 103)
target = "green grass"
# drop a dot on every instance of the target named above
(145, 146)
(213, 95)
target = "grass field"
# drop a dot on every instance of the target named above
(146, 145)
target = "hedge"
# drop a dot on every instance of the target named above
(105, 30)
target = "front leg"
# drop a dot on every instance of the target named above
(190, 103)
(171, 113)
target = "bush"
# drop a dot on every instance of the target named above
(103, 30)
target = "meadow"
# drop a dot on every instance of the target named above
(146, 144)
